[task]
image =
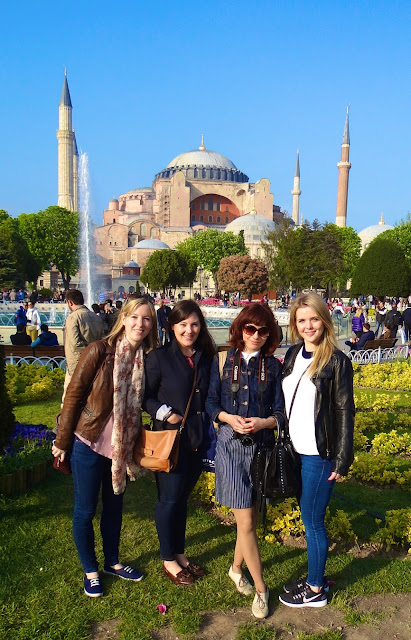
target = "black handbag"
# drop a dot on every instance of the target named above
(276, 468)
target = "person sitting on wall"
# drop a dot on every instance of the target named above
(20, 338)
(46, 338)
(356, 344)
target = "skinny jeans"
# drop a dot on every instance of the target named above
(315, 495)
(90, 472)
(173, 490)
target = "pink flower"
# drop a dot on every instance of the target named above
(162, 608)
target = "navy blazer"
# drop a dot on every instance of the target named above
(169, 380)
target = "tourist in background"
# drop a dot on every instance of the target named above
(170, 374)
(163, 313)
(46, 338)
(380, 313)
(33, 321)
(99, 424)
(20, 338)
(318, 387)
(358, 322)
(246, 417)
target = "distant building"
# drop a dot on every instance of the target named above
(368, 234)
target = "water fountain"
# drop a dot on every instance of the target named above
(86, 233)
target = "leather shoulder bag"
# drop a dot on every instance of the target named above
(158, 450)
(276, 470)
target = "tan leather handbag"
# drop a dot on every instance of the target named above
(158, 450)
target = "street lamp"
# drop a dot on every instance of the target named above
(200, 270)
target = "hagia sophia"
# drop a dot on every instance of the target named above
(196, 190)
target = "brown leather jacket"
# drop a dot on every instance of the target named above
(89, 397)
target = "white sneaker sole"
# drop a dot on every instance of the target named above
(313, 605)
(93, 595)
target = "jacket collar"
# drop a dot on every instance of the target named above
(178, 353)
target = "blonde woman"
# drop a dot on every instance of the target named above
(99, 424)
(318, 391)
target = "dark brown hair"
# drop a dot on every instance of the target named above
(75, 296)
(180, 312)
(261, 315)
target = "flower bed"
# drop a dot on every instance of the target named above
(23, 463)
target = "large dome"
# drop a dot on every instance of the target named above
(368, 234)
(255, 227)
(202, 164)
(202, 158)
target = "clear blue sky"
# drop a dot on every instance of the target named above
(259, 79)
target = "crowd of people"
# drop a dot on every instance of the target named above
(166, 363)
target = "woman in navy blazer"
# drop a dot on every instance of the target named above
(169, 381)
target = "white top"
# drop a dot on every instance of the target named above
(247, 356)
(302, 426)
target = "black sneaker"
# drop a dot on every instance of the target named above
(304, 598)
(298, 585)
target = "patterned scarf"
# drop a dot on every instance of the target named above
(128, 383)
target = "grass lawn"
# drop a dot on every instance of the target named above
(41, 591)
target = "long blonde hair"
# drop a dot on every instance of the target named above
(328, 342)
(151, 341)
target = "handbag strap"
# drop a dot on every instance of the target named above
(294, 394)
(189, 402)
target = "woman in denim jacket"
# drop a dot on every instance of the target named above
(246, 401)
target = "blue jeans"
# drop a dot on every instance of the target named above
(90, 472)
(173, 490)
(378, 326)
(315, 496)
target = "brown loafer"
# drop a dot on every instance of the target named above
(195, 570)
(183, 577)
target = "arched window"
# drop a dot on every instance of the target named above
(143, 229)
(202, 205)
(153, 232)
(218, 206)
(226, 220)
(201, 219)
(210, 218)
(114, 221)
(218, 220)
(193, 217)
(210, 204)
(193, 206)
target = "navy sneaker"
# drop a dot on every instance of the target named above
(304, 598)
(127, 573)
(92, 587)
(301, 583)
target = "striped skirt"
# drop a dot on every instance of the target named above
(233, 486)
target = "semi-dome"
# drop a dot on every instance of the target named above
(368, 234)
(151, 243)
(132, 264)
(255, 227)
(203, 164)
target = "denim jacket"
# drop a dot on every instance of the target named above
(246, 402)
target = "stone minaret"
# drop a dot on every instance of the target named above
(75, 176)
(296, 191)
(344, 167)
(65, 137)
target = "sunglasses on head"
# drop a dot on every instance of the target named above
(250, 329)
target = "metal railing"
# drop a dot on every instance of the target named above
(375, 356)
(41, 361)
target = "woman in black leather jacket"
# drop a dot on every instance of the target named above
(319, 399)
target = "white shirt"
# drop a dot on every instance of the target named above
(301, 423)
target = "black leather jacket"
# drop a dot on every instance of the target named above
(334, 408)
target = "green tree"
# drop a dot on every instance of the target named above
(32, 228)
(61, 240)
(244, 274)
(207, 248)
(16, 261)
(382, 270)
(351, 250)
(164, 269)
(401, 235)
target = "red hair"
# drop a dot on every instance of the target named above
(261, 315)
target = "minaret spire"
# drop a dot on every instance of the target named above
(296, 192)
(344, 167)
(202, 147)
(66, 150)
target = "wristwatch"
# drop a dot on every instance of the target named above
(166, 417)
